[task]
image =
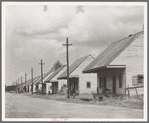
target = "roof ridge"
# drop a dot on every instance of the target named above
(127, 37)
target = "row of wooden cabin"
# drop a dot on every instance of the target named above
(120, 65)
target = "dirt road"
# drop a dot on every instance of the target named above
(21, 106)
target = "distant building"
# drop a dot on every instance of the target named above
(29, 85)
(52, 84)
(120, 65)
(39, 83)
(80, 82)
(10, 88)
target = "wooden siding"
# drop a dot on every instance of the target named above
(132, 57)
(84, 77)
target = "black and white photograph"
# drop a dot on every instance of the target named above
(74, 61)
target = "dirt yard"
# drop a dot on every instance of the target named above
(29, 106)
(135, 102)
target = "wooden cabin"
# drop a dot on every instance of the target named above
(52, 84)
(80, 82)
(118, 64)
(39, 83)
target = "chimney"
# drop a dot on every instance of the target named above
(130, 35)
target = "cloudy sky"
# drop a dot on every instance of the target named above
(35, 32)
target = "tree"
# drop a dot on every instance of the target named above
(56, 65)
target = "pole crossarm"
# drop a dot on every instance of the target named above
(67, 44)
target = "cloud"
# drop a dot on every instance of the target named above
(80, 9)
(92, 24)
(104, 24)
(30, 20)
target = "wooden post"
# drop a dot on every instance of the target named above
(136, 91)
(21, 83)
(25, 81)
(128, 92)
(68, 91)
(18, 84)
(32, 79)
(42, 75)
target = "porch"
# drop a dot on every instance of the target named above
(51, 87)
(111, 80)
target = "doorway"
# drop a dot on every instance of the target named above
(114, 85)
(54, 87)
(74, 86)
(104, 85)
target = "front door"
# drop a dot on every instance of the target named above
(74, 85)
(114, 84)
(54, 87)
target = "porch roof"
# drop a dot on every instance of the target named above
(110, 53)
(70, 77)
(51, 81)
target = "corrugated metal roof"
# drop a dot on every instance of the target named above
(55, 73)
(110, 53)
(34, 80)
(73, 67)
(39, 81)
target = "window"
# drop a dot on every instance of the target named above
(140, 78)
(120, 80)
(64, 85)
(88, 84)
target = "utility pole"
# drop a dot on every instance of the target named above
(18, 83)
(42, 75)
(32, 79)
(25, 81)
(21, 83)
(68, 92)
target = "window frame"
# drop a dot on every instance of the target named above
(89, 83)
(140, 80)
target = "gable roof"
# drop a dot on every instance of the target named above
(73, 67)
(34, 80)
(44, 76)
(55, 73)
(110, 53)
